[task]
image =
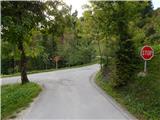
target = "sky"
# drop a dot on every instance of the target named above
(77, 5)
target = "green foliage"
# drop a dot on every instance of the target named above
(152, 28)
(117, 37)
(35, 27)
(18, 23)
(18, 19)
(43, 30)
(132, 28)
(121, 26)
(109, 29)
(15, 97)
(141, 96)
(33, 44)
(77, 47)
(81, 53)
(125, 54)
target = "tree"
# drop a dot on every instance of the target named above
(104, 30)
(125, 54)
(18, 19)
(114, 19)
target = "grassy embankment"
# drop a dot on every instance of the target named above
(15, 97)
(141, 96)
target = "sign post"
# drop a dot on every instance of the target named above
(145, 66)
(147, 53)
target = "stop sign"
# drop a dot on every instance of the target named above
(147, 52)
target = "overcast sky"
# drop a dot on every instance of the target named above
(77, 5)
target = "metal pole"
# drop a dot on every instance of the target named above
(145, 66)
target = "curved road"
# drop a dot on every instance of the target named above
(70, 94)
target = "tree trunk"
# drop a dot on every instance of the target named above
(23, 64)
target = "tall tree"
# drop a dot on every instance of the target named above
(115, 20)
(125, 54)
(18, 19)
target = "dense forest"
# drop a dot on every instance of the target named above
(44, 35)
(40, 35)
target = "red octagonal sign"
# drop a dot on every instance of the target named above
(147, 52)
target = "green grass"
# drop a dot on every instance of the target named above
(141, 96)
(47, 70)
(15, 97)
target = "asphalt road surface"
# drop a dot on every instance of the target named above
(70, 94)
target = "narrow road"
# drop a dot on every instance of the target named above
(70, 94)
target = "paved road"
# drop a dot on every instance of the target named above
(70, 94)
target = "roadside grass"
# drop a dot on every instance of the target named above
(142, 96)
(15, 97)
(47, 70)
